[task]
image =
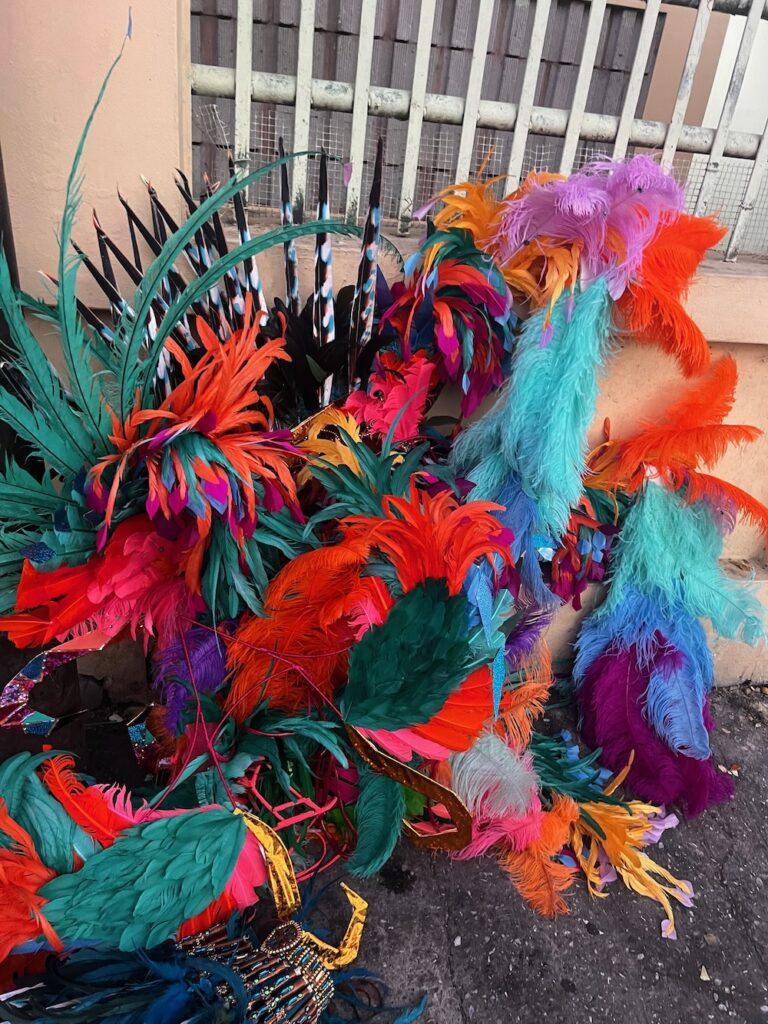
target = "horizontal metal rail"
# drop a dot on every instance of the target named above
(384, 102)
(722, 6)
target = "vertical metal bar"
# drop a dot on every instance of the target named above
(416, 114)
(301, 114)
(636, 75)
(583, 81)
(243, 69)
(747, 204)
(714, 164)
(686, 83)
(528, 92)
(474, 89)
(360, 108)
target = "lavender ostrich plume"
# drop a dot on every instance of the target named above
(364, 302)
(289, 249)
(611, 210)
(323, 324)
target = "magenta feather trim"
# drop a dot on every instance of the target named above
(612, 705)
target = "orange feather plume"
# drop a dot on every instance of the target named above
(469, 206)
(538, 270)
(462, 718)
(524, 703)
(297, 653)
(85, 805)
(320, 604)
(540, 880)
(218, 401)
(22, 875)
(432, 536)
(689, 433)
(652, 306)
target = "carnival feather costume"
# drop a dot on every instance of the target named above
(345, 607)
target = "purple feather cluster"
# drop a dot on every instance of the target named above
(612, 701)
(610, 210)
(196, 660)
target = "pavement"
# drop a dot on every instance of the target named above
(460, 932)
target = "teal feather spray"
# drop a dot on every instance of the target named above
(85, 385)
(41, 378)
(552, 400)
(54, 833)
(673, 550)
(379, 811)
(538, 427)
(24, 498)
(158, 874)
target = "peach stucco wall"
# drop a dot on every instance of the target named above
(53, 57)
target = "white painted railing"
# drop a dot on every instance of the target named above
(304, 93)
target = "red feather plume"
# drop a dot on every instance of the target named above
(22, 875)
(652, 306)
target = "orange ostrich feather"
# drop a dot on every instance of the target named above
(297, 652)
(652, 306)
(540, 880)
(22, 874)
(688, 435)
(538, 270)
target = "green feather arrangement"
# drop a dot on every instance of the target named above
(402, 672)
(157, 875)
(54, 833)
(379, 809)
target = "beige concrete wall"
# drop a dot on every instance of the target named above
(670, 60)
(53, 57)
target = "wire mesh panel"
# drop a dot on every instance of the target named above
(275, 35)
(727, 198)
(211, 139)
(392, 134)
(269, 123)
